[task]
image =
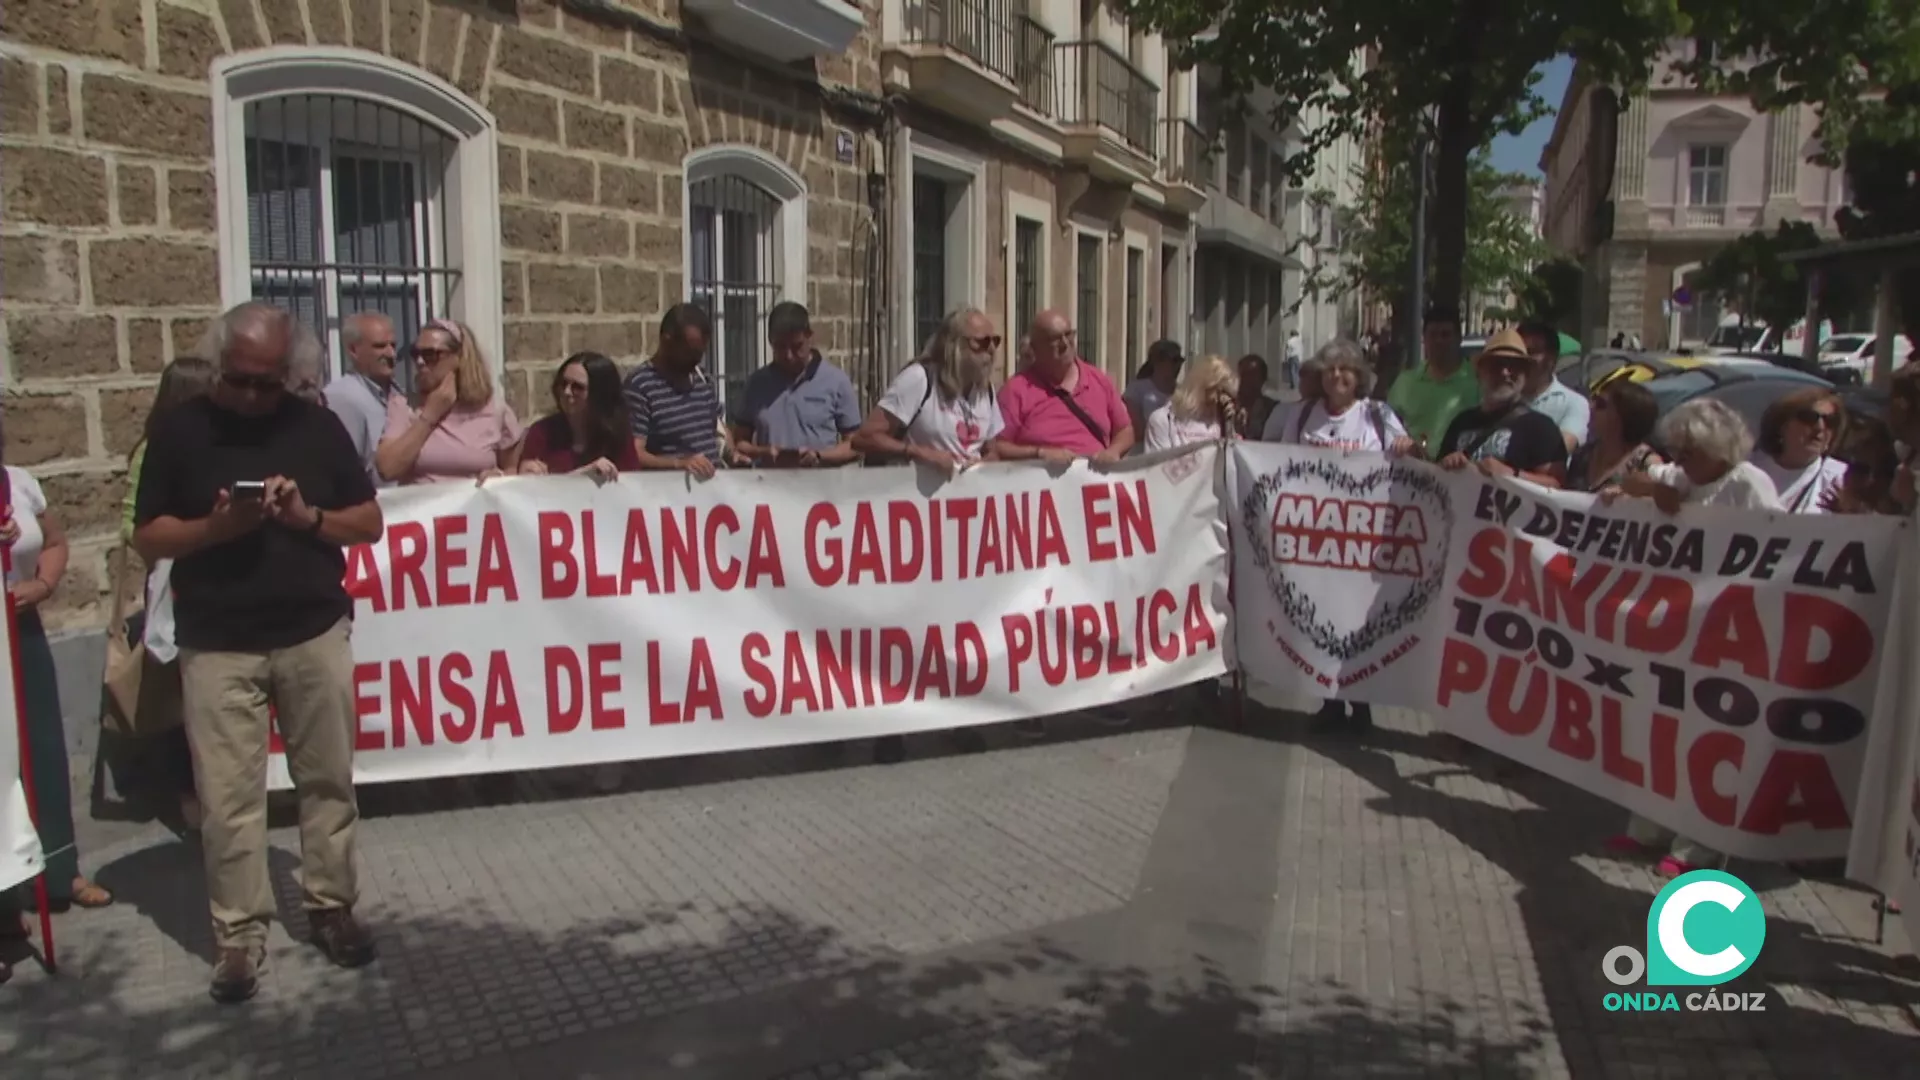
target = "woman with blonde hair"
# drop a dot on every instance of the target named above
(1202, 408)
(457, 427)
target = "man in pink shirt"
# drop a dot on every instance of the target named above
(1059, 407)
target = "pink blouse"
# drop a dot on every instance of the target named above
(462, 446)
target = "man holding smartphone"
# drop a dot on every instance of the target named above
(254, 493)
(799, 411)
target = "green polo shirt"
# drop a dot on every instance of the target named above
(1428, 405)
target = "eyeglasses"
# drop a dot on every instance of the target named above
(1817, 418)
(984, 344)
(569, 387)
(430, 355)
(264, 384)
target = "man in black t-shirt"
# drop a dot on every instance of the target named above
(253, 493)
(1501, 436)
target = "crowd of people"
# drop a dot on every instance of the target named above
(255, 474)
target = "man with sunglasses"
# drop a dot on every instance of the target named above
(1502, 436)
(254, 493)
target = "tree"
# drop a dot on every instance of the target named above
(1752, 276)
(1884, 174)
(1458, 71)
(1377, 233)
(1552, 293)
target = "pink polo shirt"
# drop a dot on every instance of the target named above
(1036, 416)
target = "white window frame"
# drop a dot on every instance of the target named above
(1137, 337)
(1040, 212)
(966, 241)
(471, 184)
(1721, 170)
(1103, 293)
(787, 232)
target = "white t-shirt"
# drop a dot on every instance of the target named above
(1744, 487)
(1570, 411)
(29, 502)
(1166, 431)
(1359, 428)
(957, 427)
(1802, 490)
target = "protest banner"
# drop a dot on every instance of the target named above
(531, 623)
(1712, 671)
(20, 856)
(1885, 852)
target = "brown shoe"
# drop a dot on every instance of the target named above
(342, 938)
(235, 976)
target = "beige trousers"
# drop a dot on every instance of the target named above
(1687, 851)
(310, 687)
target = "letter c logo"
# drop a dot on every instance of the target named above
(1673, 928)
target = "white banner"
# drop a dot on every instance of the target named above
(1885, 852)
(533, 623)
(1712, 671)
(20, 857)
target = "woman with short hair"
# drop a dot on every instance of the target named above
(1341, 415)
(1798, 435)
(1202, 407)
(1710, 444)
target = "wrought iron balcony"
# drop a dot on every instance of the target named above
(1034, 67)
(983, 31)
(1101, 88)
(1185, 158)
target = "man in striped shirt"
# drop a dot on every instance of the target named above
(671, 404)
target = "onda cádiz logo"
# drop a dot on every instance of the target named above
(1705, 928)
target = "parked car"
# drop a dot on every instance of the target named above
(1595, 369)
(1848, 358)
(1746, 386)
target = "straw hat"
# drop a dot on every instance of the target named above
(1505, 345)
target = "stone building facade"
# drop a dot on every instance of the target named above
(553, 174)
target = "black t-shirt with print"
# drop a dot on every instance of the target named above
(1524, 440)
(274, 587)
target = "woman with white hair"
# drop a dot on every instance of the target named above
(1202, 407)
(1709, 444)
(1342, 416)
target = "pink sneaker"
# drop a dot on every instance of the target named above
(1627, 845)
(1671, 867)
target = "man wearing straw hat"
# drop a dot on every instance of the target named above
(1501, 436)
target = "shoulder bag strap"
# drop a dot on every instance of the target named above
(924, 398)
(1078, 412)
(1806, 489)
(1379, 425)
(117, 616)
(1300, 421)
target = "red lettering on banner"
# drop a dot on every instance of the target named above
(1664, 753)
(406, 580)
(577, 690)
(700, 693)
(1083, 639)
(1131, 517)
(406, 691)
(1704, 758)
(1797, 788)
(933, 540)
(695, 553)
(1850, 644)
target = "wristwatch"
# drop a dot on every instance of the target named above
(319, 515)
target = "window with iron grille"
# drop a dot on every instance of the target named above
(931, 204)
(1027, 274)
(1135, 349)
(347, 210)
(1088, 311)
(734, 260)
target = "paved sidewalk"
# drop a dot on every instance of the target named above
(1163, 903)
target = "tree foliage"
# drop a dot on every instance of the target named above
(1377, 234)
(1751, 276)
(1459, 71)
(1551, 293)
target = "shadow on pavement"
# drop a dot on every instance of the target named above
(1546, 840)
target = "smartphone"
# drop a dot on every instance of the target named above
(249, 490)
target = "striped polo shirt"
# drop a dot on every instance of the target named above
(674, 419)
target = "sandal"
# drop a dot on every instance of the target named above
(87, 894)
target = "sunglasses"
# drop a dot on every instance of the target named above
(571, 388)
(1816, 418)
(264, 384)
(429, 355)
(983, 344)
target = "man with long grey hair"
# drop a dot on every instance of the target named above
(940, 409)
(254, 493)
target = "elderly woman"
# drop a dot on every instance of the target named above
(1343, 417)
(1798, 435)
(1709, 443)
(458, 428)
(1623, 417)
(1201, 409)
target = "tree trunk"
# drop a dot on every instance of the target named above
(1447, 210)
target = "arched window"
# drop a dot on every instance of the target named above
(351, 182)
(746, 236)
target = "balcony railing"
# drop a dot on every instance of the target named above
(981, 30)
(1101, 87)
(1185, 159)
(1033, 66)
(1706, 217)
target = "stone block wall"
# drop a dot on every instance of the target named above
(109, 264)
